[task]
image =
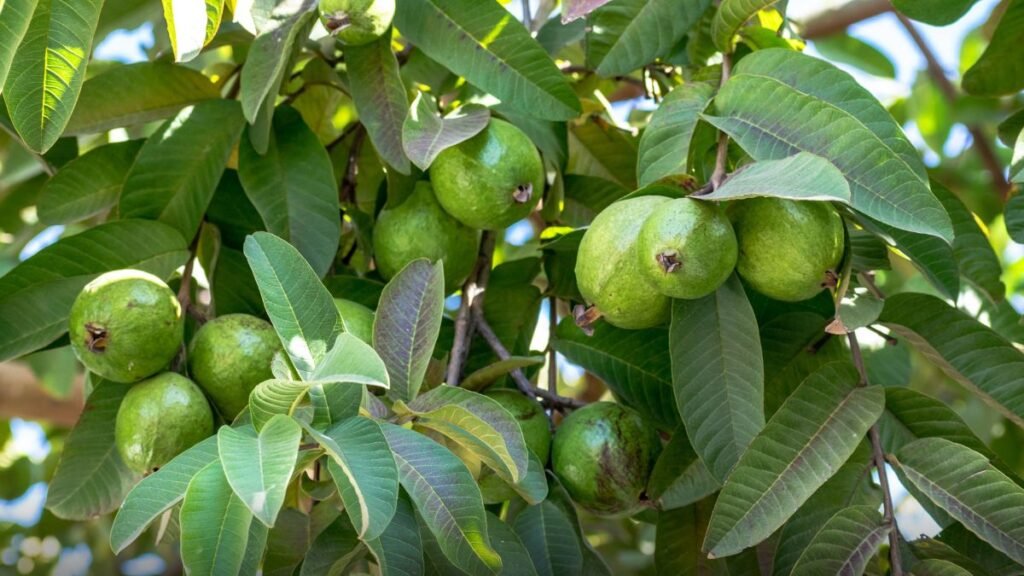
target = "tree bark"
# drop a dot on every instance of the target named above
(22, 396)
(838, 20)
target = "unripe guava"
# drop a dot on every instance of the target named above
(687, 248)
(357, 22)
(608, 266)
(420, 228)
(126, 325)
(492, 180)
(229, 356)
(536, 431)
(356, 319)
(603, 454)
(788, 249)
(160, 418)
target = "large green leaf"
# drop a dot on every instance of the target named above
(447, 497)
(91, 479)
(292, 187)
(259, 467)
(269, 55)
(677, 545)
(136, 94)
(288, 541)
(15, 16)
(399, 548)
(718, 374)
(380, 98)
(352, 361)
(48, 69)
(333, 550)
(87, 185)
(425, 134)
(364, 471)
(602, 150)
(731, 16)
(628, 34)
(967, 486)
(910, 415)
(515, 559)
(977, 260)
(846, 543)
(255, 547)
(936, 567)
(665, 144)
(830, 115)
(272, 397)
(550, 540)
(158, 492)
(191, 25)
(792, 347)
(487, 46)
(1000, 70)
(635, 364)
(970, 352)
(177, 170)
(214, 524)
(932, 256)
(801, 447)
(856, 52)
(299, 306)
(679, 477)
(934, 12)
(36, 296)
(407, 324)
(803, 176)
(965, 542)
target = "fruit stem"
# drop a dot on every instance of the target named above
(718, 176)
(585, 318)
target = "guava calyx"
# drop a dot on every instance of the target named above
(95, 337)
(669, 261)
(523, 193)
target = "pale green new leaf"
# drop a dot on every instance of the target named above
(550, 539)
(718, 374)
(425, 134)
(966, 485)
(36, 296)
(830, 115)
(380, 98)
(48, 69)
(803, 176)
(177, 170)
(399, 548)
(665, 143)
(1000, 70)
(259, 467)
(191, 24)
(801, 447)
(486, 45)
(87, 185)
(269, 55)
(845, 544)
(352, 361)
(272, 397)
(214, 525)
(628, 34)
(15, 16)
(731, 16)
(481, 378)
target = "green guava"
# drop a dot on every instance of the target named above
(608, 266)
(356, 319)
(357, 22)
(160, 418)
(420, 228)
(536, 431)
(603, 454)
(126, 325)
(492, 180)
(229, 356)
(687, 248)
(789, 250)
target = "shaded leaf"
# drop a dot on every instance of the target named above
(87, 185)
(550, 540)
(845, 544)
(258, 468)
(1015, 218)
(856, 52)
(399, 548)
(679, 477)
(628, 34)
(934, 567)
(481, 378)
(932, 256)
(665, 144)
(214, 524)
(269, 55)
(380, 98)
(15, 16)
(803, 176)
(425, 134)
(602, 150)
(978, 261)
(1000, 70)
(575, 9)
(333, 550)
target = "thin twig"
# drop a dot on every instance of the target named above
(471, 289)
(185, 289)
(527, 18)
(718, 176)
(868, 280)
(889, 339)
(552, 355)
(836, 21)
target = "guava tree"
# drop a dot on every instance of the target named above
(298, 265)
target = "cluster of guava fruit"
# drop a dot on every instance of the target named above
(644, 250)
(127, 326)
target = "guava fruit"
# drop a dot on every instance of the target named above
(158, 419)
(492, 180)
(789, 250)
(420, 228)
(126, 325)
(603, 454)
(536, 431)
(687, 248)
(608, 266)
(229, 356)
(357, 22)
(356, 319)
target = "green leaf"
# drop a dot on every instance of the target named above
(364, 471)
(802, 446)
(515, 559)
(380, 98)
(731, 16)
(910, 415)
(935, 567)
(856, 52)
(399, 548)
(255, 547)
(845, 544)
(407, 324)
(1000, 70)
(260, 467)
(333, 402)
(36, 296)
(15, 16)
(679, 477)
(481, 378)
(46, 74)
(964, 542)
(351, 360)
(970, 489)
(1015, 217)
(87, 185)
(487, 46)
(592, 561)
(214, 524)
(425, 134)
(292, 187)
(665, 144)
(978, 261)
(932, 256)
(575, 9)
(158, 492)
(191, 25)
(196, 144)
(934, 12)
(288, 542)
(137, 94)
(718, 374)
(830, 115)
(803, 176)
(602, 150)
(91, 479)
(550, 540)
(272, 397)
(629, 34)
(446, 496)
(968, 351)
(856, 310)
(269, 56)
(333, 550)
(299, 306)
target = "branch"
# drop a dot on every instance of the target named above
(838, 20)
(474, 286)
(718, 176)
(23, 396)
(552, 355)
(185, 290)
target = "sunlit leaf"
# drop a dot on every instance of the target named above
(425, 133)
(214, 524)
(191, 24)
(803, 176)
(380, 98)
(259, 467)
(665, 144)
